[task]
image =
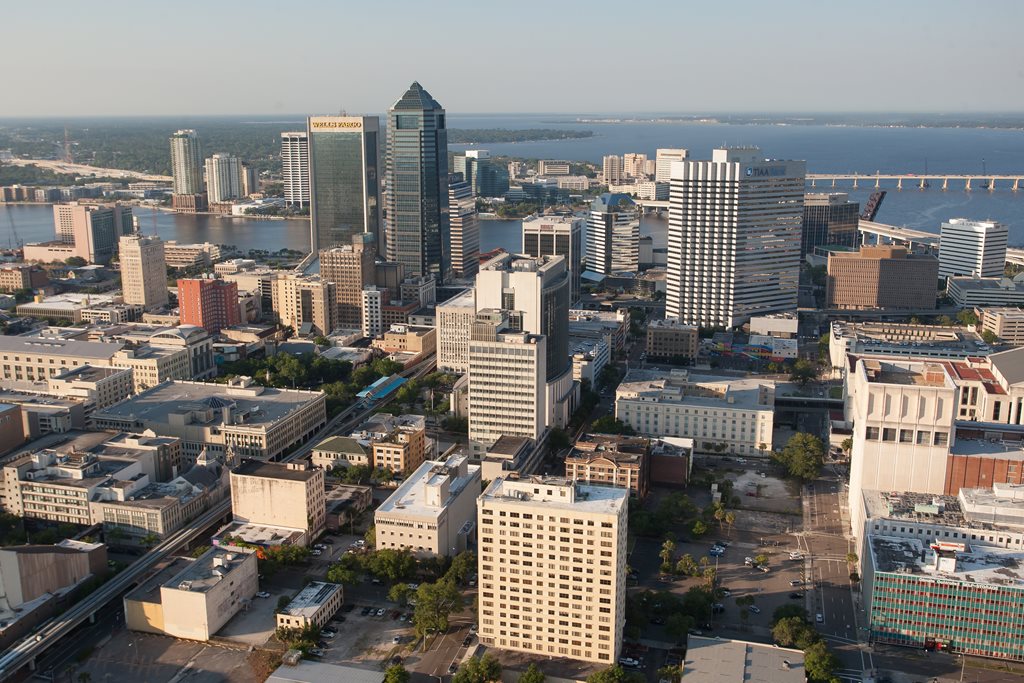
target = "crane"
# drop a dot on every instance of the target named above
(13, 240)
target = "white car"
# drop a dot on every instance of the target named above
(263, 594)
(629, 661)
(819, 618)
(317, 553)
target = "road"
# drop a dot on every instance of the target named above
(85, 170)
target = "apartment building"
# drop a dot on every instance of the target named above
(433, 512)
(313, 607)
(552, 567)
(239, 419)
(611, 460)
(143, 271)
(403, 447)
(307, 304)
(285, 495)
(670, 338)
(208, 303)
(713, 411)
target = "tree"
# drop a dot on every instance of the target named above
(699, 528)
(321, 340)
(686, 565)
(730, 520)
(789, 610)
(610, 425)
(371, 536)
(531, 675)
(819, 662)
(678, 625)
(990, 337)
(851, 558)
(462, 566)
(479, 670)
(614, 674)
(761, 560)
(343, 575)
(399, 593)
(803, 372)
(668, 549)
(672, 674)
(75, 261)
(803, 456)
(434, 602)
(966, 317)
(847, 445)
(393, 564)
(150, 540)
(794, 631)
(396, 673)
(745, 601)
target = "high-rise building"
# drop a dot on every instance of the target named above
(289, 495)
(350, 268)
(664, 160)
(972, 248)
(88, 231)
(187, 171)
(557, 236)
(507, 389)
(464, 229)
(250, 180)
(882, 277)
(487, 178)
(309, 300)
(634, 165)
(535, 292)
(295, 167)
(344, 182)
(583, 616)
(733, 237)
(208, 303)
(613, 235)
(611, 169)
(552, 167)
(417, 226)
(223, 178)
(454, 322)
(143, 271)
(829, 219)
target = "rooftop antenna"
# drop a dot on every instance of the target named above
(342, 112)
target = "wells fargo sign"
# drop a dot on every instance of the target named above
(335, 124)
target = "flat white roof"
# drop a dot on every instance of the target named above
(309, 601)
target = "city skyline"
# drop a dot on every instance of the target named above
(749, 56)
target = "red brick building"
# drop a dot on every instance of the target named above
(208, 303)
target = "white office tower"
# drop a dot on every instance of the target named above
(454, 322)
(613, 235)
(733, 237)
(557, 236)
(223, 177)
(143, 270)
(464, 228)
(903, 418)
(664, 160)
(186, 162)
(507, 388)
(295, 167)
(611, 169)
(634, 165)
(552, 567)
(972, 248)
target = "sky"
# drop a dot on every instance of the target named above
(188, 57)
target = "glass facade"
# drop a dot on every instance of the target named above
(829, 220)
(344, 182)
(933, 613)
(417, 197)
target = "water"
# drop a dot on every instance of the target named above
(827, 149)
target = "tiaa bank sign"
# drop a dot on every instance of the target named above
(765, 171)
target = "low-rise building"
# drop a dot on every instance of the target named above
(778, 325)
(418, 342)
(345, 502)
(715, 660)
(45, 414)
(1006, 323)
(671, 461)
(670, 338)
(100, 387)
(249, 420)
(974, 292)
(892, 340)
(193, 599)
(340, 451)
(283, 495)
(612, 326)
(433, 512)
(403, 448)
(37, 359)
(67, 306)
(191, 255)
(12, 427)
(712, 410)
(589, 357)
(611, 460)
(313, 607)
(21, 276)
(152, 365)
(507, 457)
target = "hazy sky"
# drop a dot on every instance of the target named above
(104, 57)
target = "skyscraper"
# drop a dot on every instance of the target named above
(829, 219)
(143, 270)
(417, 226)
(250, 180)
(187, 169)
(733, 237)
(582, 616)
(663, 162)
(487, 178)
(350, 268)
(613, 235)
(972, 248)
(344, 179)
(223, 177)
(557, 236)
(611, 169)
(208, 303)
(464, 229)
(295, 167)
(634, 165)
(89, 231)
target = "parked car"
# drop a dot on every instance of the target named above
(819, 618)
(367, 610)
(263, 594)
(396, 640)
(796, 596)
(755, 609)
(796, 582)
(629, 662)
(381, 612)
(316, 553)
(317, 652)
(453, 667)
(467, 641)
(328, 633)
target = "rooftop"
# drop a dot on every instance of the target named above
(908, 373)
(547, 490)
(295, 471)
(464, 299)
(411, 497)
(310, 599)
(717, 660)
(253, 405)
(905, 338)
(681, 386)
(257, 534)
(974, 564)
(89, 373)
(508, 445)
(63, 347)
(340, 444)
(318, 672)
(208, 569)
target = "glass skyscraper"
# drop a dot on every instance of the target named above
(417, 192)
(344, 179)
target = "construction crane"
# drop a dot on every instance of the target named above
(13, 241)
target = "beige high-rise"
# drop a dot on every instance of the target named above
(552, 567)
(299, 299)
(143, 271)
(350, 268)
